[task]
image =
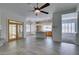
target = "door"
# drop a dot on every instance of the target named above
(15, 31)
(12, 32)
(20, 31)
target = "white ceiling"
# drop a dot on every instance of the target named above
(24, 9)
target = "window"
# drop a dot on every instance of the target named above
(27, 27)
(69, 23)
(68, 28)
(47, 28)
(73, 27)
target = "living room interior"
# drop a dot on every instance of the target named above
(39, 29)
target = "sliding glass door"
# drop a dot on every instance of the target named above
(12, 31)
(15, 30)
(20, 31)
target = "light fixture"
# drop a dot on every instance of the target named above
(37, 12)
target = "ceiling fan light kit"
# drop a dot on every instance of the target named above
(37, 10)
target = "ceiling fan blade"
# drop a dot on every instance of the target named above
(45, 5)
(44, 12)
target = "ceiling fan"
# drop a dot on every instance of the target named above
(37, 9)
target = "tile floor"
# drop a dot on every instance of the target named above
(33, 46)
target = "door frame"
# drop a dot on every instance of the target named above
(17, 23)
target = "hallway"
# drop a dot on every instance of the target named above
(32, 46)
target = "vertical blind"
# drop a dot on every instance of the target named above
(69, 23)
(68, 28)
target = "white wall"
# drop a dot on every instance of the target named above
(57, 30)
(0, 25)
(5, 15)
(77, 36)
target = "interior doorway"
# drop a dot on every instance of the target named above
(15, 30)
